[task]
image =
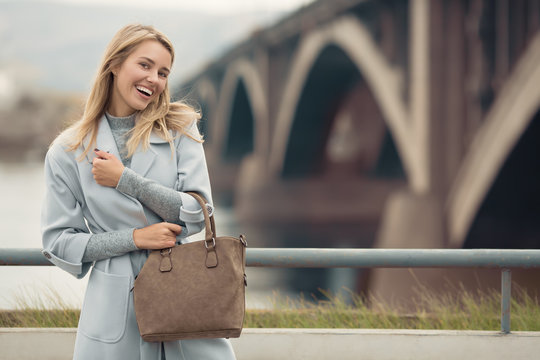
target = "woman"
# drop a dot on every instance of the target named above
(116, 183)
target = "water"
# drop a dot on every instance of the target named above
(22, 191)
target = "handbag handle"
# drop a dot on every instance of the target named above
(210, 226)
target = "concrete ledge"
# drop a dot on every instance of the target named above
(313, 344)
(343, 344)
(37, 343)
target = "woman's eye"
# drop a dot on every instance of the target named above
(145, 65)
(163, 75)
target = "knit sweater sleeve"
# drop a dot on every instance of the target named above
(164, 201)
(109, 244)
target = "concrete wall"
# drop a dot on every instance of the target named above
(314, 344)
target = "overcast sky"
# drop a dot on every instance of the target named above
(211, 6)
(64, 61)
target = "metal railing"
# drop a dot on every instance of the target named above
(361, 258)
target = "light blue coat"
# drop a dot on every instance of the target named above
(76, 206)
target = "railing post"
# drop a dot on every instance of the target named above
(506, 286)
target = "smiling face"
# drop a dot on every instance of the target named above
(140, 79)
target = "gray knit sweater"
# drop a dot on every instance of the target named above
(164, 201)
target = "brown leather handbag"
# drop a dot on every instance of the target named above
(195, 290)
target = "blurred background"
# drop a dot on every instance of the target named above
(329, 123)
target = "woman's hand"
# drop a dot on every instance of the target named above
(157, 236)
(107, 169)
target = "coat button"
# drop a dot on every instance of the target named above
(47, 255)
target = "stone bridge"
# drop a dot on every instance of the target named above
(406, 123)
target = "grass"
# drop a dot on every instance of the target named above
(455, 310)
(34, 309)
(33, 318)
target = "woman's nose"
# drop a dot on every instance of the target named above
(153, 77)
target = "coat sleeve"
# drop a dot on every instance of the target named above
(192, 176)
(63, 227)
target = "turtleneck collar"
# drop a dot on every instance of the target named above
(122, 122)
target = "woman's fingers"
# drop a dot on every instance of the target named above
(157, 236)
(174, 228)
(106, 168)
(103, 154)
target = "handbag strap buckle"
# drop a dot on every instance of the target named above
(243, 240)
(210, 244)
(211, 254)
(165, 265)
(165, 252)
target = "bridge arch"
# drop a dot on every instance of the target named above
(385, 82)
(206, 93)
(505, 123)
(241, 73)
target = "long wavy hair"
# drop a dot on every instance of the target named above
(160, 115)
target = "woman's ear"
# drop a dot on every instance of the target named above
(114, 70)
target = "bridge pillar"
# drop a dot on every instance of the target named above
(411, 221)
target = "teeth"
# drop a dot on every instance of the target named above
(145, 90)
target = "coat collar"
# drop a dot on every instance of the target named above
(141, 161)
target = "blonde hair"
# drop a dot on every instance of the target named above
(160, 115)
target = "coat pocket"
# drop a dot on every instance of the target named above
(105, 306)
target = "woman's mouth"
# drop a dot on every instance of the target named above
(144, 91)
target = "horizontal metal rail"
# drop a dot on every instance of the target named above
(392, 258)
(361, 258)
(354, 258)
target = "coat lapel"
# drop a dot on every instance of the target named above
(143, 160)
(104, 141)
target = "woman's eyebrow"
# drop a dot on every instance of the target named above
(154, 63)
